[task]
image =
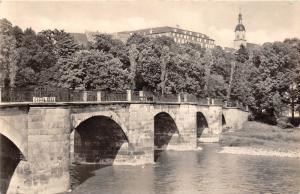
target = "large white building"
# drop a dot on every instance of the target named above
(180, 36)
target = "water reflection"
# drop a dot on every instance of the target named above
(203, 171)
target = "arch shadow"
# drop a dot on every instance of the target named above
(10, 156)
(223, 120)
(225, 128)
(97, 142)
(164, 128)
(201, 125)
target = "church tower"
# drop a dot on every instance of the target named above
(240, 34)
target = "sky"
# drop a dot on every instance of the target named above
(267, 21)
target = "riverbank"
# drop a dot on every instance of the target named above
(256, 138)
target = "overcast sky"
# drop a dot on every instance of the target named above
(264, 21)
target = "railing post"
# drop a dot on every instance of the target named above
(141, 95)
(226, 103)
(84, 96)
(98, 96)
(0, 94)
(208, 101)
(212, 101)
(129, 95)
(178, 98)
(247, 108)
(185, 97)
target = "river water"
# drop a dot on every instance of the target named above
(203, 171)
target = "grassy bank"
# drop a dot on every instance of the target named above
(263, 136)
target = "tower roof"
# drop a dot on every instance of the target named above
(240, 26)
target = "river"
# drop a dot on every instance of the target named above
(188, 172)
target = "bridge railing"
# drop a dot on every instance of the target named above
(236, 104)
(67, 95)
(141, 96)
(166, 98)
(75, 96)
(16, 96)
(112, 96)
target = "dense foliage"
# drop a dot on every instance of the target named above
(259, 77)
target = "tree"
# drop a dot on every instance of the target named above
(93, 70)
(105, 43)
(64, 44)
(133, 56)
(165, 57)
(149, 68)
(36, 55)
(8, 45)
(273, 70)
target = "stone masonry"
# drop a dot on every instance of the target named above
(44, 135)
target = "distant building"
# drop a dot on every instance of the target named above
(179, 35)
(240, 34)
(84, 38)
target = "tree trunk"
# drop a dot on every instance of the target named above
(293, 110)
(230, 80)
(164, 60)
(163, 77)
(133, 54)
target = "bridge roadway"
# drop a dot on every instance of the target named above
(39, 141)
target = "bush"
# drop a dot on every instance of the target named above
(251, 117)
(284, 122)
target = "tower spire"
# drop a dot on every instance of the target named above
(240, 16)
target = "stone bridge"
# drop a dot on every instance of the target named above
(39, 141)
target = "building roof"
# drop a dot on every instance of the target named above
(240, 27)
(80, 38)
(165, 29)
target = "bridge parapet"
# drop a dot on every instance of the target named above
(44, 95)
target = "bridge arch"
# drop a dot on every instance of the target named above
(171, 114)
(98, 139)
(202, 125)
(18, 139)
(12, 150)
(77, 119)
(164, 130)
